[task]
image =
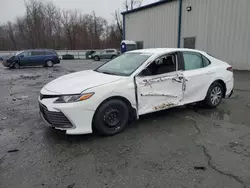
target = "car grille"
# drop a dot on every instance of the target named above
(48, 96)
(56, 119)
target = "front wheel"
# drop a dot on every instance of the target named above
(96, 58)
(214, 95)
(16, 65)
(111, 118)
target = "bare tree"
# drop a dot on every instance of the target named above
(46, 26)
(119, 22)
(131, 4)
(11, 33)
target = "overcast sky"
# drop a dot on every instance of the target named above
(10, 9)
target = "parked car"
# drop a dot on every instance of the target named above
(105, 54)
(88, 54)
(32, 58)
(68, 57)
(135, 83)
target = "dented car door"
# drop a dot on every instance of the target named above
(161, 84)
(157, 93)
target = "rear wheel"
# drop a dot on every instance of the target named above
(49, 63)
(113, 57)
(111, 118)
(214, 95)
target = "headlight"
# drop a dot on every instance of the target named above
(74, 98)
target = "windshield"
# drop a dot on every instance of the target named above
(19, 53)
(125, 64)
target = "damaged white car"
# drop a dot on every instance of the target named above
(133, 84)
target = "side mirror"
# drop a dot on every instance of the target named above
(21, 56)
(145, 72)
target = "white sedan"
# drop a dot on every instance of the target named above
(135, 83)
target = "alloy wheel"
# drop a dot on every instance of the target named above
(216, 95)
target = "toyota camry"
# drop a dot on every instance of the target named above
(136, 83)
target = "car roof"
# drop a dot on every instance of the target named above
(158, 51)
(40, 50)
(110, 49)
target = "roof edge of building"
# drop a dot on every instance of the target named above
(147, 6)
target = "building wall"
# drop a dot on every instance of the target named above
(156, 26)
(221, 28)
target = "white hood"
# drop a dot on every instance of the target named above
(77, 82)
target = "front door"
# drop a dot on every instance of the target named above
(24, 58)
(103, 55)
(160, 85)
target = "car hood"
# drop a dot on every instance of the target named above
(7, 57)
(77, 82)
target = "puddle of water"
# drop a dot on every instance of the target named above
(233, 115)
(215, 114)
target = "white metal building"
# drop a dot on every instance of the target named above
(219, 27)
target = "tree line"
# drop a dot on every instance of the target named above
(46, 26)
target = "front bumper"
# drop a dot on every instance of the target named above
(230, 94)
(73, 118)
(7, 64)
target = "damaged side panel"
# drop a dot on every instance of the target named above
(157, 93)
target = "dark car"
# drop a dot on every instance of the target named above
(32, 58)
(89, 53)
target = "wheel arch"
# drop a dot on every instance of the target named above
(132, 110)
(223, 84)
(49, 59)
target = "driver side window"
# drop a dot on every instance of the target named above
(25, 54)
(162, 65)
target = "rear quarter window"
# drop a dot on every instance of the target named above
(206, 61)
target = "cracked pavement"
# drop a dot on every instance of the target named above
(183, 147)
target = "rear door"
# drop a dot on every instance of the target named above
(198, 76)
(110, 53)
(38, 58)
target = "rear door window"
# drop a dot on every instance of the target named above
(192, 60)
(34, 53)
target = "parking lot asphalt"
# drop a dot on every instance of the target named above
(187, 147)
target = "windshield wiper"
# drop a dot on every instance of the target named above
(110, 73)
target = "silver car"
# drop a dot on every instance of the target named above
(106, 54)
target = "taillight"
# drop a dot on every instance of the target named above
(230, 69)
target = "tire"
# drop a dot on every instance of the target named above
(113, 57)
(49, 63)
(111, 118)
(96, 58)
(16, 65)
(214, 95)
